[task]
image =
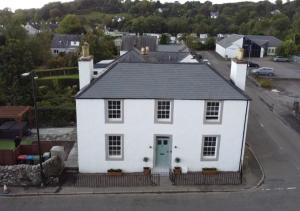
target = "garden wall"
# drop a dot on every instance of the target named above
(29, 175)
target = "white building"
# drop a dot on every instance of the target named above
(164, 112)
(255, 45)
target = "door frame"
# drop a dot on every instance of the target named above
(170, 148)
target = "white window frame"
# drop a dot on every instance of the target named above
(114, 120)
(164, 120)
(107, 146)
(215, 157)
(220, 112)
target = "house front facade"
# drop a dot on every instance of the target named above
(161, 116)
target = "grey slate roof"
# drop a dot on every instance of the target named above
(64, 40)
(161, 81)
(134, 56)
(227, 41)
(261, 40)
(172, 48)
(132, 41)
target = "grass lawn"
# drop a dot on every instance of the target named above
(58, 77)
(26, 141)
(7, 144)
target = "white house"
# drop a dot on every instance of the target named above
(30, 29)
(228, 47)
(165, 112)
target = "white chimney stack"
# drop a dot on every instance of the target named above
(85, 66)
(238, 72)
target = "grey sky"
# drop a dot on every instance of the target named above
(25, 4)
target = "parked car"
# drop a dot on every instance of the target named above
(268, 71)
(252, 64)
(280, 59)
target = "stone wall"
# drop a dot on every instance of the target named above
(26, 175)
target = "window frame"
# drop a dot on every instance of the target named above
(110, 120)
(217, 149)
(220, 114)
(163, 121)
(111, 158)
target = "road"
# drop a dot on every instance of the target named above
(276, 145)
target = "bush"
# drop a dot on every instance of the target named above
(265, 83)
(57, 116)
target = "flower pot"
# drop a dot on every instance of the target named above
(147, 171)
(177, 170)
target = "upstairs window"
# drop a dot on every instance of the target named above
(114, 111)
(213, 110)
(163, 111)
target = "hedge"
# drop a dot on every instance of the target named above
(56, 71)
(56, 82)
(57, 116)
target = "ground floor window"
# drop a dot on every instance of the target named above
(210, 147)
(114, 147)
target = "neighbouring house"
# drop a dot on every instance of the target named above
(228, 47)
(255, 45)
(138, 41)
(160, 115)
(203, 38)
(172, 48)
(214, 15)
(31, 29)
(65, 43)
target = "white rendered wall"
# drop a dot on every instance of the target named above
(189, 59)
(238, 74)
(220, 50)
(139, 130)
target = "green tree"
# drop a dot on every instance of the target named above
(288, 48)
(71, 24)
(164, 39)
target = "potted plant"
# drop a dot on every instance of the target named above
(147, 170)
(177, 169)
(114, 172)
(209, 171)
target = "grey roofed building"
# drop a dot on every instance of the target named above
(172, 48)
(182, 81)
(65, 43)
(135, 55)
(262, 40)
(132, 41)
(227, 41)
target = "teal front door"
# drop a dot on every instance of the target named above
(163, 151)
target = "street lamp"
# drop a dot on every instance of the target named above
(33, 84)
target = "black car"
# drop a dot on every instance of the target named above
(251, 64)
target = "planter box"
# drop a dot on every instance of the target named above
(210, 171)
(147, 171)
(177, 171)
(114, 173)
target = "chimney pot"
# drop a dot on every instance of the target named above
(85, 50)
(143, 51)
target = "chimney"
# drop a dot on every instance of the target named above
(85, 66)
(238, 72)
(147, 50)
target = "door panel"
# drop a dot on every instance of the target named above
(162, 152)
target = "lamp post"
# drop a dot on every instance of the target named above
(34, 93)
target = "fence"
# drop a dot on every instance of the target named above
(104, 180)
(198, 178)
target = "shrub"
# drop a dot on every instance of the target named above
(57, 116)
(265, 83)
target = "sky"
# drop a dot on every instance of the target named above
(26, 4)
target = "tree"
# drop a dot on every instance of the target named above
(71, 24)
(288, 48)
(164, 39)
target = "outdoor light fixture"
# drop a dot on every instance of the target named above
(33, 77)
